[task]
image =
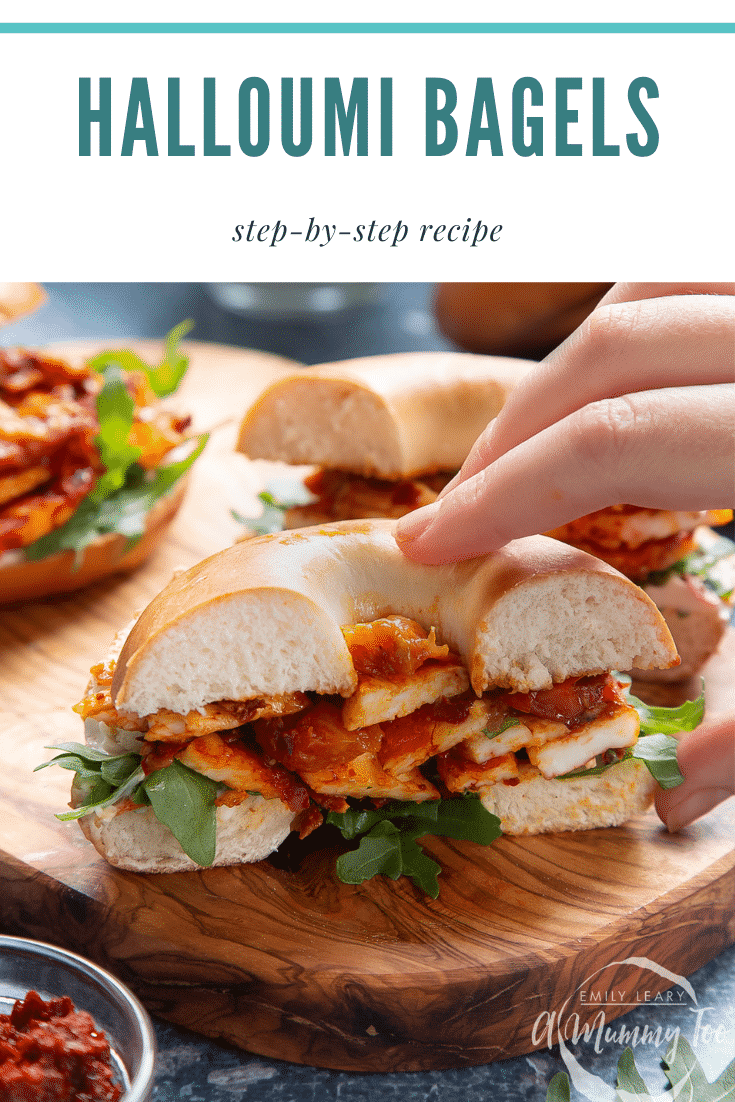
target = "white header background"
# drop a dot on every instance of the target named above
(663, 217)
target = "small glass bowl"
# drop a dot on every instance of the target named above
(33, 965)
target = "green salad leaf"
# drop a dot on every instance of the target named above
(668, 721)
(508, 722)
(125, 511)
(101, 779)
(276, 499)
(125, 492)
(184, 801)
(388, 843)
(115, 409)
(164, 378)
(181, 799)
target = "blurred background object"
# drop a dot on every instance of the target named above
(321, 322)
(291, 301)
(316, 323)
(513, 319)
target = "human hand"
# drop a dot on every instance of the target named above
(707, 759)
(634, 407)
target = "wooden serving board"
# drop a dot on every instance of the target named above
(291, 963)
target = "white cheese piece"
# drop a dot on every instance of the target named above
(562, 755)
(377, 700)
(363, 776)
(529, 731)
(413, 739)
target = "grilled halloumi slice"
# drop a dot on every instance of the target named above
(460, 775)
(22, 482)
(165, 726)
(630, 526)
(237, 766)
(433, 729)
(607, 732)
(364, 776)
(528, 731)
(378, 700)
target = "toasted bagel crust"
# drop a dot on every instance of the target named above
(382, 416)
(265, 617)
(22, 580)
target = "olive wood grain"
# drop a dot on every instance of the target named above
(289, 962)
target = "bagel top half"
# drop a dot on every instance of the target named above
(264, 617)
(381, 416)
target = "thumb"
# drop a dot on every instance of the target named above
(707, 759)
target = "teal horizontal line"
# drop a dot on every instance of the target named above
(367, 28)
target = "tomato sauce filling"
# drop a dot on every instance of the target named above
(281, 755)
(51, 1052)
(391, 647)
(573, 702)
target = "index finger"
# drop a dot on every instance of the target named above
(622, 348)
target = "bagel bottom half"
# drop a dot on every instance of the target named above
(23, 580)
(135, 840)
(538, 806)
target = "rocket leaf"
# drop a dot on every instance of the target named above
(388, 846)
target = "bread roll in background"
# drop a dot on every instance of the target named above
(390, 417)
(513, 319)
(17, 299)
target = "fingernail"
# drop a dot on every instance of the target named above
(695, 805)
(415, 524)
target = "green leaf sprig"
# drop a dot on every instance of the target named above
(181, 798)
(388, 846)
(276, 499)
(164, 378)
(508, 722)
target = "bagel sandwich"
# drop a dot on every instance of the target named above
(687, 569)
(91, 464)
(386, 433)
(318, 674)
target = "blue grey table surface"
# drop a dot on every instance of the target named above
(191, 1068)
